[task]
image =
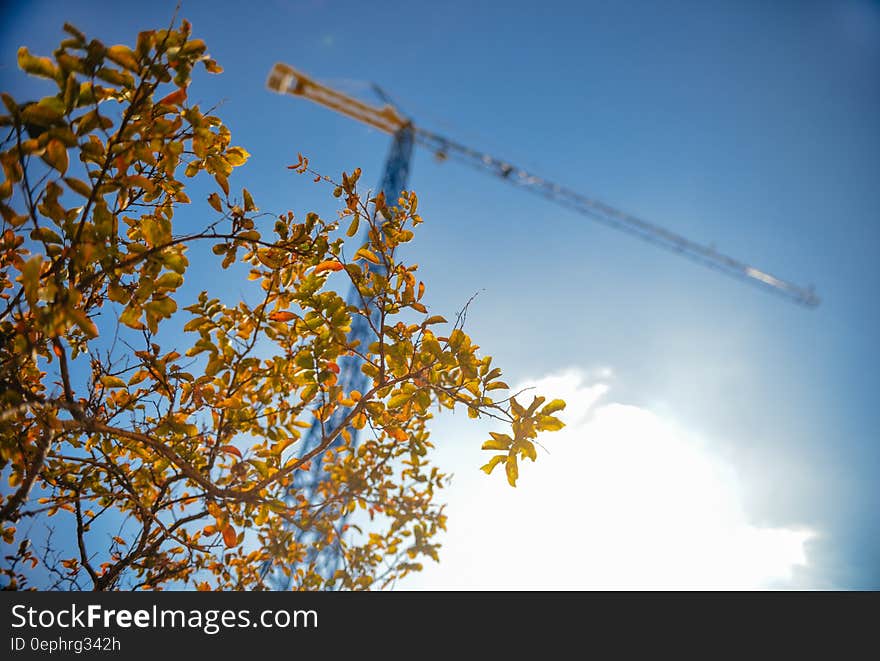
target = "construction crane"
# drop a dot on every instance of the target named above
(287, 80)
(284, 79)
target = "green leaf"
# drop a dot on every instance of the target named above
(175, 261)
(112, 381)
(169, 280)
(398, 400)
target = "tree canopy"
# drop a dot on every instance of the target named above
(155, 439)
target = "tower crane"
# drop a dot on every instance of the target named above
(284, 79)
(287, 80)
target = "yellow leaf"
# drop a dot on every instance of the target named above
(494, 461)
(214, 201)
(518, 410)
(85, 324)
(353, 228)
(553, 407)
(512, 470)
(363, 253)
(37, 66)
(527, 449)
(56, 155)
(497, 442)
(112, 381)
(236, 156)
(549, 423)
(497, 385)
(41, 114)
(46, 235)
(223, 182)
(141, 182)
(124, 57)
(131, 318)
(169, 280)
(248, 200)
(79, 186)
(308, 393)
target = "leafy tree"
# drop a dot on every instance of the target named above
(163, 466)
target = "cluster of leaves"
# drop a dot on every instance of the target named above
(179, 467)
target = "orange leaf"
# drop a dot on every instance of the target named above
(329, 265)
(231, 449)
(229, 536)
(175, 98)
(282, 315)
(333, 367)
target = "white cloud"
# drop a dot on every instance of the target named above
(624, 500)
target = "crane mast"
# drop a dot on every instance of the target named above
(285, 79)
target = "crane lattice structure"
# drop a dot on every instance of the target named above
(284, 79)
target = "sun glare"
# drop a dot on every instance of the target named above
(623, 500)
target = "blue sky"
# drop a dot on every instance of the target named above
(749, 125)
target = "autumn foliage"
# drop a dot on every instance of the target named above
(137, 455)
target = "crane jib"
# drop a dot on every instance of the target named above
(287, 80)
